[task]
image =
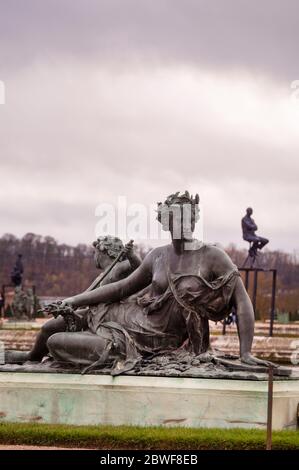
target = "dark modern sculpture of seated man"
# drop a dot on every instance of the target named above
(165, 304)
(249, 228)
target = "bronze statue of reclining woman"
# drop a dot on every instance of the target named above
(164, 305)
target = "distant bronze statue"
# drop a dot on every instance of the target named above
(22, 306)
(249, 228)
(17, 272)
(164, 306)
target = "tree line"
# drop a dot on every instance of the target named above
(58, 269)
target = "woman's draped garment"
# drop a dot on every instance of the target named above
(146, 324)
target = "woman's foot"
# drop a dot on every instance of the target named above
(16, 357)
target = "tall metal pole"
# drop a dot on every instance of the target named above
(246, 280)
(270, 409)
(254, 289)
(3, 300)
(272, 313)
(2, 304)
(34, 300)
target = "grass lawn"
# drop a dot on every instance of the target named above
(132, 437)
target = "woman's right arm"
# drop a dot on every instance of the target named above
(115, 291)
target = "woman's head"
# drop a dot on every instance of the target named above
(106, 247)
(179, 214)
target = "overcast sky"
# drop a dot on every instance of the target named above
(142, 98)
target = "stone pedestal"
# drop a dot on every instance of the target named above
(145, 401)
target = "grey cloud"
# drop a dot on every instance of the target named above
(259, 36)
(69, 142)
(73, 223)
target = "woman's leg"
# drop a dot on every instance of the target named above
(55, 325)
(40, 349)
(82, 348)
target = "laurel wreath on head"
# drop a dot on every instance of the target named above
(178, 199)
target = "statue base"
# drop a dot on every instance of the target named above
(178, 364)
(145, 401)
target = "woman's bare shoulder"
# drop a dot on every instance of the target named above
(153, 255)
(218, 260)
(158, 251)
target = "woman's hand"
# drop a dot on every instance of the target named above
(254, 361)
(70, 302)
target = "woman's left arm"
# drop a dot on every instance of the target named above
(222, 263)
(245, 315)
